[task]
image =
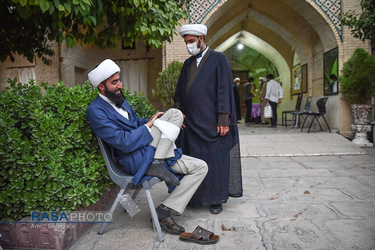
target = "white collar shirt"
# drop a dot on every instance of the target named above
(274, 91)
(201, 57)
(122, 111)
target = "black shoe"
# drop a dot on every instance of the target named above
(216, 208)
(158, 169)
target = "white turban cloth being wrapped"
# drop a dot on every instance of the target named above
(193, 29)
(103, 71)
(168, 130)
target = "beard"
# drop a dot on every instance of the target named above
(118, 99)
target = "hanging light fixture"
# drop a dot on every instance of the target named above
(239, 38)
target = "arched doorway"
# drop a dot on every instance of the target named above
(290, 33)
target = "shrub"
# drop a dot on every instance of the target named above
(50, 159)
(358, 77)
(140, 104)
(166, 84)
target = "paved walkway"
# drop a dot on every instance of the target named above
(301, 191)
(260, 140)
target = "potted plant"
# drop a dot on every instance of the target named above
(358, 86)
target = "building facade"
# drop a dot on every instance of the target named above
(304, 39)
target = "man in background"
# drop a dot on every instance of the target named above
(274, 95)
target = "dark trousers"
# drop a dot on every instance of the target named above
(249, 106)
(274, 113)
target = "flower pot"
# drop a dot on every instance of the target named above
(361, 115)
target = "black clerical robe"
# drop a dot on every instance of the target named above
(205, 96)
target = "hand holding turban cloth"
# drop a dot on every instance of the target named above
(193, 29)
(102, 72)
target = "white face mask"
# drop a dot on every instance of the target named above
(193, 49)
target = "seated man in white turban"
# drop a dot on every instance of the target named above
(144, 147)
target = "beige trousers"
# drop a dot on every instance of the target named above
(164, 146)
(193, 169)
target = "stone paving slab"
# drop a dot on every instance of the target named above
(297, 234)
(356, 209)
(285, 183)
(318, 200)
(353, 234)
(258, 140)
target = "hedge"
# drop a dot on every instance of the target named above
(50, 159)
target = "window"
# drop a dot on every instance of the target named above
(330, 64)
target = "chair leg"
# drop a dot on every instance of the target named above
(286, 119)
(154, 215)
(312, 123)
(304, 121)
(112, 209)
(135, 194)
(317, 119)
(292, 120)
(297, 120)
(327, 124)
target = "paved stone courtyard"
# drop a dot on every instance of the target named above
(301, 191)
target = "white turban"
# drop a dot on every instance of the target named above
(102, 72)
(236, 79)
(193, 29)
(263, 79)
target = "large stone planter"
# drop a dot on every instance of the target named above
(26, 235)
(362, 116)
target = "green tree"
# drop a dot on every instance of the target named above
(362, 25)
(26, 26)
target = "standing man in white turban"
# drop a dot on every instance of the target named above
(204, 94)
(144, 147)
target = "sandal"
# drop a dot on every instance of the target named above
(171, 226)
(200, 236)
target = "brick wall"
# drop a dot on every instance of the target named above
(43, 72)
(176, 50)
(71, 65)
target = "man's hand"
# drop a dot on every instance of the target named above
(222, 130)
(183, 125)
(150, 123)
